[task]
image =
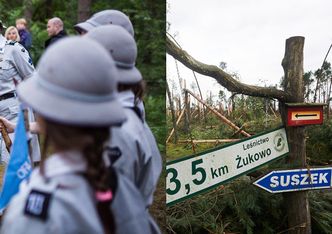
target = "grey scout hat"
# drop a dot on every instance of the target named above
(70, 87)
(106, 17)
(123, 49)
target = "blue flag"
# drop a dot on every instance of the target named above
(19, 166)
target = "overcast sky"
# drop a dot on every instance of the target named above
(249, 35)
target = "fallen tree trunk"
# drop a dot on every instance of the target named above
(223, 118)
(222, 77)
(209, 141)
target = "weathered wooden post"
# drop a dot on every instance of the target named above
(187, 111)
(179, 106)
(170, 99)
(297, 202)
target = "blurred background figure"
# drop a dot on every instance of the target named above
(25, 36)
(15, 66)
(55, 31)
(12, 34)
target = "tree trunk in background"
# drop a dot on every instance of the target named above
(49, 8)
(200, 94)
(187, 113)
(179, 105)
(318, 78)
(173, 113)
(220, 116)
(27, 6)
(328, 101)
(83, 10)
(297, 202)
(151, 5)
(233, 101)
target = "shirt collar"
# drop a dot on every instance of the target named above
(126, 98)
(2, 41)
(68, 162)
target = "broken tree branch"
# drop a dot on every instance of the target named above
(222, 77)
(220, 116)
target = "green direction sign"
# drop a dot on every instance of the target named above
(195, 174)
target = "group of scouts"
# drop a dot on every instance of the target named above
(87, 94)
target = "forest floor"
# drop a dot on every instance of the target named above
(158, 208)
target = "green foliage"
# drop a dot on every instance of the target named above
(250, 113)
(321, 211)
(148, 18)
(238, 207)
(155, 115)
(255, 113)
(319, 144)
(307, 81)
(241, 207)
(39, 37)
(178, 151)
(13, 15)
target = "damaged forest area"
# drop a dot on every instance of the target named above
(222, 153)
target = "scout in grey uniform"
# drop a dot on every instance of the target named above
(15, 66)
(115, 17)
(66, 194)
(129, 149)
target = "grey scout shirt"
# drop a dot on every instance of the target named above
(132, 153)
(15, 64)
(156, 159)
(72, 208)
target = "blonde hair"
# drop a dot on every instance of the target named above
(11, 28)
(21, 21)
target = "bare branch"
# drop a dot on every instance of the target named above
(222, 77)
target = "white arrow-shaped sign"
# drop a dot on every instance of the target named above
(294, 180)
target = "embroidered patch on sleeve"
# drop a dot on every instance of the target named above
(37, 204)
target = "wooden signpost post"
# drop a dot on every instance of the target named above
(298, 212)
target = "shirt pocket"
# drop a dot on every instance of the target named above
(10, 112)
(5, 66)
